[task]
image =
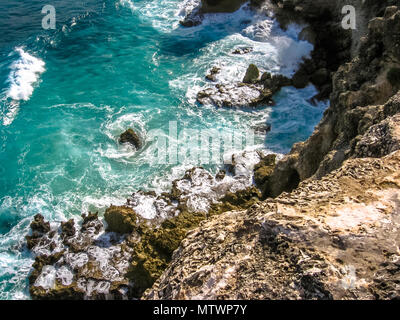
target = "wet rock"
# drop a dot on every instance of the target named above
(252, 74)
(243, 50)
(263, 170)
(300, 79)
(213, 73)
(320, 77)
(254, 93)
(192, 20)
(38, 228)
(275, 82)
(91, 263)
(234, 95)
(212, 6)
(91, 223)
(39, 224)
(68, 228)
(131, 137)
(264, 129)
(121, 219)
(220, 175)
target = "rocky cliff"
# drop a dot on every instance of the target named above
(359, 88)
(329, 227)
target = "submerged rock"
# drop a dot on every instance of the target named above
(131, 137)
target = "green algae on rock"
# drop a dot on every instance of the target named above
(262, 171)
(88, 262)
(252, 74)
(121, 219)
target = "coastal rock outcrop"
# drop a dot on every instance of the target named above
(329, 226)
(196, 16)
(131, 137)
(362, 97)
(253, 91)
(81, 259)
(120, 219)
(334, 238)
(252, 74)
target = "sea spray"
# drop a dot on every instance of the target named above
(25, 72)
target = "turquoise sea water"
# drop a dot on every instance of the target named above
(67, 94)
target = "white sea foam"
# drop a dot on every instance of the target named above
(47, 278)
(127, 4)
(272, 50)
(24, 74)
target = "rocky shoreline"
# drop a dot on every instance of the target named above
(122, 256)
(323, 222)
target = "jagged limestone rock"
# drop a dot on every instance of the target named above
(325, 240)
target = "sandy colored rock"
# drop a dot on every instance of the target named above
(332, 238)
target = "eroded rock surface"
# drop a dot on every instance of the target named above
(332, 230)
(119, 259)
(334, 238)
(362, 97)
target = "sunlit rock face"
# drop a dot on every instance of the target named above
(334, 238)
(329, 226)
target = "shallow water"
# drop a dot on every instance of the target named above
(67, 94)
